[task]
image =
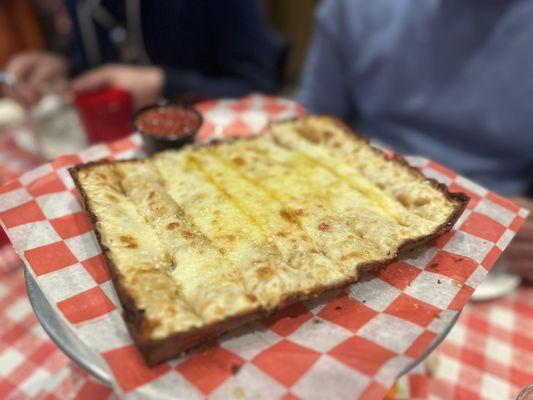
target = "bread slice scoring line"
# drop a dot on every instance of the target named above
(318, 219)
(299, 162)
(265, 274)
(341, 197)
(170, 265)
(132, 259)
(215, 298)
(324, 157)
(285, 231)
(211, 176)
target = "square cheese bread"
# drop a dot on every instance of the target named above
(209, 237)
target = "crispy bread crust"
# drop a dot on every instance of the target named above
(157, 351)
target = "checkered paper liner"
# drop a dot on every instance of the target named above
(13, 162)
(488, 354)
(349, 343)
(31, 366)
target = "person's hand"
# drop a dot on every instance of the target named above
(520, 251)
(145, 84)
(35, 72)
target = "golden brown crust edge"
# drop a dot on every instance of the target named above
(157, 351)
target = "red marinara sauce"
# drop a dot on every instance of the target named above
(168, 120)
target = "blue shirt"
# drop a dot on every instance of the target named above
(448, 79)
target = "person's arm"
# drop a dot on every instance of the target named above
(147, 84)
(324, 87)
(178, 81)
(35, 72)
(144, 84)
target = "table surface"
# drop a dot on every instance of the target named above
(487, 355)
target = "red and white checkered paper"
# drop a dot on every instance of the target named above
(13, 161)
(490, 355)
(487, 355)
(350, 343)
(31, 366)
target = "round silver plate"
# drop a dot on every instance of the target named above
(62, 335)
(89, 360)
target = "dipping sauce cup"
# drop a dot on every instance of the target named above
(167, 125)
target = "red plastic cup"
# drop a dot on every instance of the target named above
(105, 114)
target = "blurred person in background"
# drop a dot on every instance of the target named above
(166, 48)
(450, 80)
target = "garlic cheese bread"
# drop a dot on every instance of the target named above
(209, 237)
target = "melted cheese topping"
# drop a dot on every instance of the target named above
(203, 234)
